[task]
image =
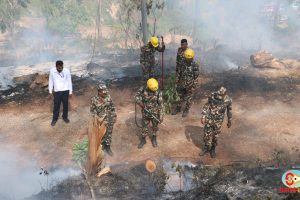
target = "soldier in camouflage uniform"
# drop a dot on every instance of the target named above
(147, 57)
(150, 100)
(103, 109)
(180, 57)
(213, 115)
(186, 82)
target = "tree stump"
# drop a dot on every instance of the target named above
(96, 131)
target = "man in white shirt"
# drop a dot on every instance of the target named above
(60, 86)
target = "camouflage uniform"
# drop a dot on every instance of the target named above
(214, 113)
(104, 108)
(179, 61)
(153, 103)
(187, 80)
(147, 59)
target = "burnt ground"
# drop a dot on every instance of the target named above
(218, 183)
(265, 128)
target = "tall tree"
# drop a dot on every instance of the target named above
(157, 10)
(65, 16)
(195, 24)
(98, 21)
(127, 21)
(144, 21)
(9, 13)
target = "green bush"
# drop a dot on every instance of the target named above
(80, 151)
(65, 16)
(170, 94)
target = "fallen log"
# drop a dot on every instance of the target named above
(266, 60)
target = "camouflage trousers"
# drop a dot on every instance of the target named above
(148, 72)
(211, 133)
(106, 140)
(186, 96)
(149, 123)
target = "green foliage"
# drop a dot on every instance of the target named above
(80, 151)
(9, 13)
(170, 94)
(65, 16)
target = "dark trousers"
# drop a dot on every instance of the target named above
(58, 98)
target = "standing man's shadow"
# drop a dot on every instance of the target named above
(194, 134)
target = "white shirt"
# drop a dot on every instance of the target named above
(60, 81)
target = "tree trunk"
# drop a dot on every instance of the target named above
(96, 132)
(276, 14)
(98, 23)
(144, 21)
(154, 26)
(195, 25)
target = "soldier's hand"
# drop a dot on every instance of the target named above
(229, 124)
(104, 123)
(195, 82)
(203, 120)
(193, 88)
(95, 120)
(101, 120)
(161, 119)
(143, 67)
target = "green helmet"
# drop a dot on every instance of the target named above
(102, 87)
(220, 93)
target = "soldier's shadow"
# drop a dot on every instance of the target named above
(194, 134)
(132, 127)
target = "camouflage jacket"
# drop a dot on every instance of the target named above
(152, 101)
(103, 108)
(188, 74)
(214, 110)
(147, 56)
(179, 61)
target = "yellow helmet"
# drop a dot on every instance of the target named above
(152, 84)
(154, 41)
(189, 53)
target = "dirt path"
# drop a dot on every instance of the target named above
(260, 126)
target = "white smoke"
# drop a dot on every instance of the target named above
(20, 175)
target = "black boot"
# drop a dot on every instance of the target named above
(205, 150)
(154, 142)
(142, 142)
(106, 149)
(185, 113)
(212, 151)
(53, 122)
(176, 110)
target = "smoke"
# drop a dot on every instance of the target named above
(180, 175)
(34, 43)
(20, 175)
(229, 63)
(245, 24)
